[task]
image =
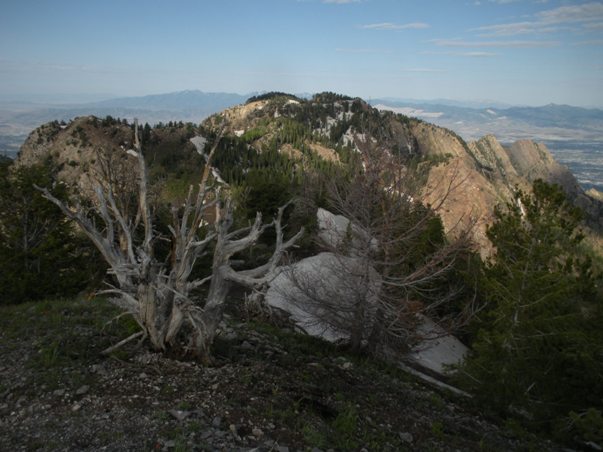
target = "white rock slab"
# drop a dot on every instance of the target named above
(438, 349)
(199, 142)
(326, 276)
(334, 230)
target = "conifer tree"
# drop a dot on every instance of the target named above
(40, 254)
(539, 344)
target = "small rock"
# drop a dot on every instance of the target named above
(257, 432)
(593, 446)
(76, 407)
(246, 346)
(142, 375)
(179, 414)
(282, 449)
(347, 365)
(59, 393)
(230, 336)
(406, 437)
(216, 422)
(233, 429)
(170, 444)
(82, 390)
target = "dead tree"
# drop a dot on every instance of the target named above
(157, 294)
(383, 273)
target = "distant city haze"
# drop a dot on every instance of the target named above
(521, 52)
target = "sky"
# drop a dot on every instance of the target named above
(522, 52)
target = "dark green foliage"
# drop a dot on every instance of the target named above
(271, 95)
(253, 134)
(539, 344)
(40, 254)
(329, 97)
(266, 191)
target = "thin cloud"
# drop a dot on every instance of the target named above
(588, 12)
(514, 29)
(423, 70)
(586, 17)
(462, 54)
(591, 42)
(393, 26)
(519, 44)
(362, 50)
(476, 54)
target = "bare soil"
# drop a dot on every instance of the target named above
(268, 390)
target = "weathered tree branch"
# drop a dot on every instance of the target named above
(158, 294)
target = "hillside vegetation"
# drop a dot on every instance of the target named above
(488, 241)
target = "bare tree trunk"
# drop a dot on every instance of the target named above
(156, 294)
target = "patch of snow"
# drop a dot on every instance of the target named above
(216, 174)
(438, 349)
(239, 133)
(344, 115)
(348, 139)
(492, 112)
(334, 231)
(292, 101)
(199, 142)
(325, 276)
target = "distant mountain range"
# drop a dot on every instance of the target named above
(180, 106)
(549, 123)
(17, 120)
(471, 120)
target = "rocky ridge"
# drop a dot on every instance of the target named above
(483, 173)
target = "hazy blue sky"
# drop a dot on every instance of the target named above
(516, 51)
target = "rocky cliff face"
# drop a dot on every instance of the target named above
(78, 147)
(479, 174)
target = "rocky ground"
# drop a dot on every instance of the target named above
(268, 390)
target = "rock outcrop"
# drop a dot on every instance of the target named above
(303, 288)
(77, 149)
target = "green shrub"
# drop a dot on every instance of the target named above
(41, 255)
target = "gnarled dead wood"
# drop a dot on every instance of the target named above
(158, 295)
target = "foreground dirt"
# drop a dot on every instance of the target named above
(269, 390)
